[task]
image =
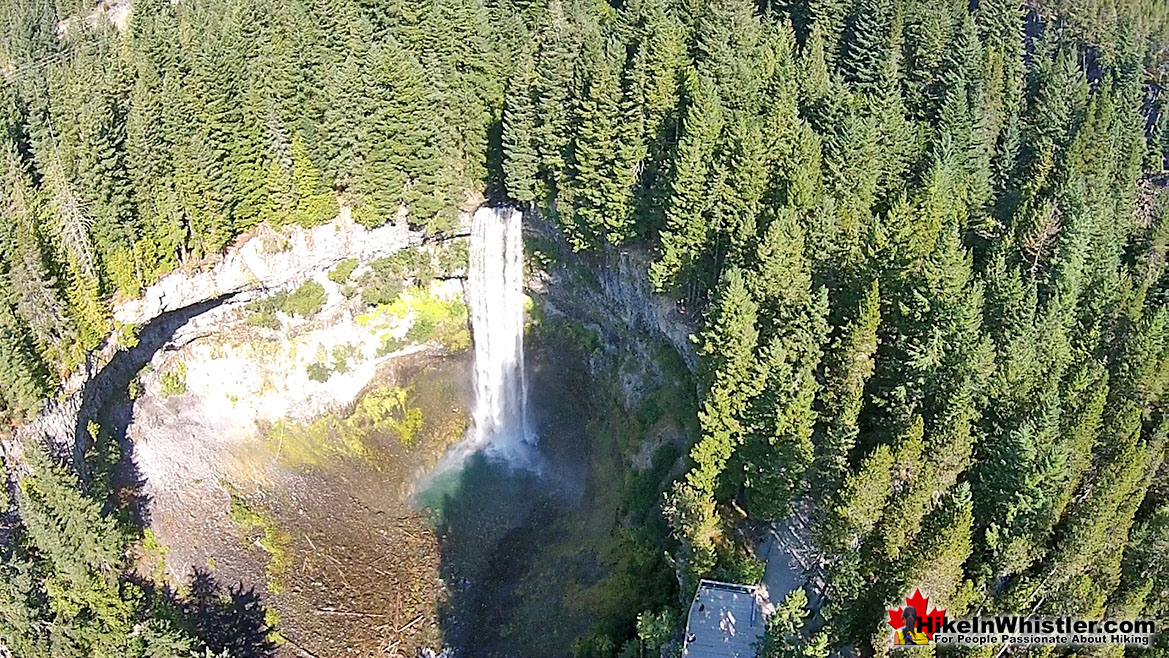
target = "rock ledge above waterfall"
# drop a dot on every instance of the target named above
(269, 259)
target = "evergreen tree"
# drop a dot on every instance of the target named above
(958, 195)
(783, 417)
(863, 499)
(849, 365)
(871, 35)
(76, 554)
(684, 238)
(521, 159)
(731, 378)
(553, 86)
(602, 179)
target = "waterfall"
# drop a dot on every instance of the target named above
(495, 295)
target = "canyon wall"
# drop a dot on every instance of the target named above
(257, 265)
(608, 292)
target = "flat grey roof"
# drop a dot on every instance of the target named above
(725, 621)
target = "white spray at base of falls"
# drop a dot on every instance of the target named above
(495, 296)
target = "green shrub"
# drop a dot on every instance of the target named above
(390, 344)
(739, 565)
(596, 645)
(376, 291)
(453, 257)
(340, 274)
(306, 301)
(319, 372)
(343, 354)
(386, 278)
(175, 381)
(539, 252)
(262, 312)
(266, 319)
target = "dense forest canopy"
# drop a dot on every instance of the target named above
(923, 235)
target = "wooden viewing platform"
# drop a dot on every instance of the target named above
(725, 620)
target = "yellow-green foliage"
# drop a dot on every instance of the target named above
(274, 541)
(384, 410)
(120, 264)
(175, 381)
(127, 335)
(389, 408)
(340, 273)
(151, 546)
(433, 319)
(272, 622)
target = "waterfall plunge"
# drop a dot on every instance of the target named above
(496, 301)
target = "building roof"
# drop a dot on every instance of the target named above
(725, 621)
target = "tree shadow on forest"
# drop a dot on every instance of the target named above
(496, 191)
(232, 620)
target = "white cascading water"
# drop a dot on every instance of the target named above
(495, 293)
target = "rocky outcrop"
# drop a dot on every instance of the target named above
(266, 260)
(269, 259)
(624, 280)
(608, 291)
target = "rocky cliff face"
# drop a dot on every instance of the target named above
(262, 263)
(269, 259)
(610, 294)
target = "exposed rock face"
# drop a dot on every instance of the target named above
(610, 293)
(269, 260)
(623, 276)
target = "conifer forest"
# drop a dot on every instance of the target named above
(922, 245)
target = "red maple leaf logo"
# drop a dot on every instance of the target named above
(929, 622)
